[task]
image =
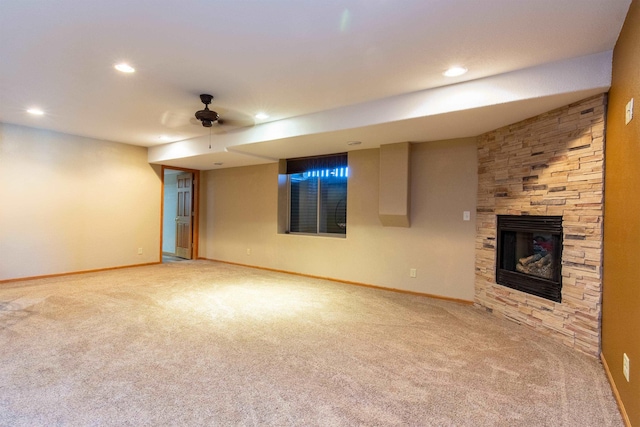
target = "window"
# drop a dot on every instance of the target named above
(317, 193)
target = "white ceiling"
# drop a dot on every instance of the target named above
(326, 71)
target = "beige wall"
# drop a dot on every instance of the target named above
(621, 295)
(70, 203)
(239, 212)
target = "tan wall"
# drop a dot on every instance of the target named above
(70, 203)
(239, 212)
(621, 298)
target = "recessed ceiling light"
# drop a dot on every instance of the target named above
(354, 142)
(164, 138)
(455, 71)
(262, 116)
(35, 111)
(124, 67)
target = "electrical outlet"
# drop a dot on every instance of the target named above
(248, 251)
(628, 112)
(413, 272)
(466, 216)
(625, 366)
(139, 251)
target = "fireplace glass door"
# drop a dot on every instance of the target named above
(529, 254)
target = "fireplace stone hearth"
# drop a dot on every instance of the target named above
(549, 165)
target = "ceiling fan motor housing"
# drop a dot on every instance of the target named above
(206, 116)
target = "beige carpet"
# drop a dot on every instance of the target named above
(203, 343)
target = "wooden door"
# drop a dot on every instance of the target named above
(184, 216)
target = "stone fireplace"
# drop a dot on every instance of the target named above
(549, 166)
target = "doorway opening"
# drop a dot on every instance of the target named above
(179, 237)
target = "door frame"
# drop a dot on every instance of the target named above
(195, 225)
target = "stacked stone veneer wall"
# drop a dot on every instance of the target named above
(551, 164)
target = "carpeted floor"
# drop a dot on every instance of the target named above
(171, 258)
(203, 343)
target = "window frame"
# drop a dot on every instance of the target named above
(319, 204)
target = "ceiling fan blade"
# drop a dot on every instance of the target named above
(233, 121)
(175, 119)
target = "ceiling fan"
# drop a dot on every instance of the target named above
(207, 117)
(233, 120)
(221, 121)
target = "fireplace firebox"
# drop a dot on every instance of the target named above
(529, 254)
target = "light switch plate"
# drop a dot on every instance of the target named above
(466, 216)
(628, 112)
